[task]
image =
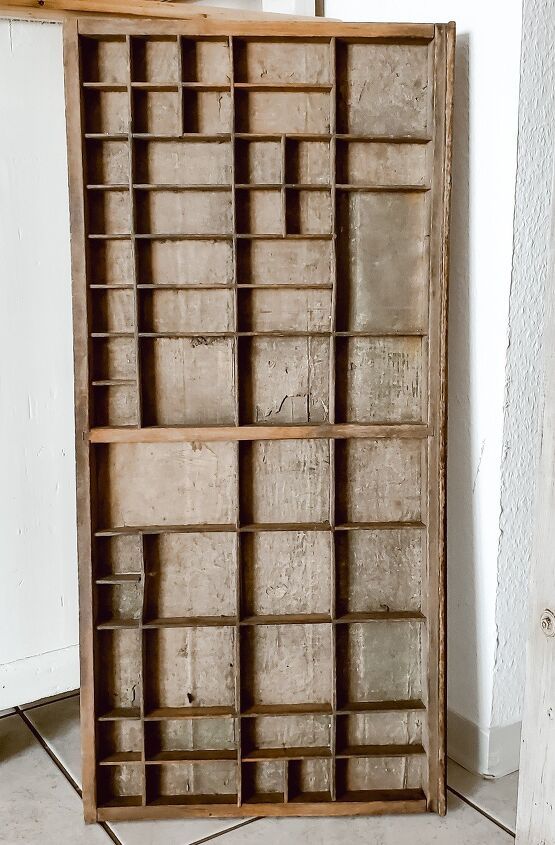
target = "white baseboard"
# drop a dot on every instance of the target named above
(494, 752)
(39, 676)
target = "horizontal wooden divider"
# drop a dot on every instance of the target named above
(193, 434)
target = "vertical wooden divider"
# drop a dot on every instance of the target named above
(133, 230)
(144, 667)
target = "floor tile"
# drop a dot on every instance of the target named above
(58, 724)
(495, 796)
(37, 804)
(462, 826)
(58, 697)
(9, 712)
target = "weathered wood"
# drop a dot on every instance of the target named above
(260, 253)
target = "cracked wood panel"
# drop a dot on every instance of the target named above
(259, 224)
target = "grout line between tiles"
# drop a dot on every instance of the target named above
(51, 699)
(481, 811)
(42, 742)
(10, 712)
(223, 832)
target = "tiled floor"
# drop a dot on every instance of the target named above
(39, 802)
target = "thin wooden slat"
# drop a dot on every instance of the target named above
(248, 433)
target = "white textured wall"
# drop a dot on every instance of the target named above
(38, 572)
(484, 169)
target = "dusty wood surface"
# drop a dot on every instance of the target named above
(260, 221)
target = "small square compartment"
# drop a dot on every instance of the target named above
(307, 162)
(258, 162)
(120, 554)
(188, 380)
(109, 212)
(110, 262)
(205, 60)
(155, 60)
(119, 690)
(308, 212)
(380, 570)
(379, 480)
(121, 785)
(107, 162)
(120, 741)
(286, 572)
(259, 212)
(104, 60)
(309, 780)
(206, 112)
(285, 481)
(284, 379)
(191, 575)
(186, 310)
(119, 603)
(166, 262)
(290, 736)
(263, 783)
(379, 661)
(171, 740)
(286, 665)
(190, 667)
(284, 310)
(205, 782)
(359, 778)
(113, 310)
(156, 112)
(114, 358)
(359, 732)
(106, 112)
(115, 405)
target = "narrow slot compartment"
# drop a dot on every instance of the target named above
(119, 683)
(109, 212)
(206, 112)
(115, 405)
(118, 556)
(205, 60)
(309, 780)
(154, 59)
(110, 262)
(284, 380)
(106, 112)
(188, 740)
(263, 783)
(258, 162)
(206, 782)
(113, 358)
(120, 785)
(308, 212)
(307, 162)
(107, 162)
(119, 742)
(112, 310)
(156, 112)
(259, 212)
(119, 604)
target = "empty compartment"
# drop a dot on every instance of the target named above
(296, 262)
(186, 311)
(281, 61)
(263, 783)
(120, 741)
(166, 262)
(309, 780)
(286, 665)
(184, 212)
(379, 480)
(118, 555)
(285, 736)
(284, 380)
(382, 163)
(383, 89)
(307, 162)
(381, 380)
(107, 162)
(190, 667)
(379, 662)
(397, 733)
(113, 311)
(183, 162)
(308, 212)
(286, 572)
(206, 782)
(206, 112)
(259, 212)
(385, 273)
(380, 570)
(121, 785)
(199, 484)
(111, 262)
(109, 212)
(258, 162)
(188, 380)
(119, 683)
(114, 358)
(284, 310)
(191, 575)
(119, 603)
(281, 112)
(359, 777)
(104, 60)
(115, 405)
(157, 112)
(155, 60)
(106, 112)
(190, 739)
(205, 60)
(285, 481)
